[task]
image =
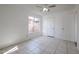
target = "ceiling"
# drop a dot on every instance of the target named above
(31, 8)
(58, 8)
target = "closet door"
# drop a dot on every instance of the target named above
(59, 28)
(51, 27)
(69, 26)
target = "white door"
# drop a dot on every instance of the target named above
(69, 26)
(51, 27)
(59, 27)
(48, 26)
(64, 26)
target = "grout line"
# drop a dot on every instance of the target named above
(56, 48)
(66, 47)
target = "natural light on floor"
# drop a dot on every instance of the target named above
(11, 50)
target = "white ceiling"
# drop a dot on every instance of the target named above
(58, 8)
(32, 8)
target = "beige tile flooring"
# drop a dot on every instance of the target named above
(44, 45)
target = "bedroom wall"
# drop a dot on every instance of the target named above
(13, 24)
(62, 20)
(77, 24)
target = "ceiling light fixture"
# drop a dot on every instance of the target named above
(45, 9)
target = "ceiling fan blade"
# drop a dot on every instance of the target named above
(52, 6)
(39, 6)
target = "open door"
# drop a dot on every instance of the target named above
(48, 26)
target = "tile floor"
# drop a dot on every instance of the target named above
(44, 45)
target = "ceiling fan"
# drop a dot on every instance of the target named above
(46, 7)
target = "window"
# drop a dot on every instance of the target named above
(33, 24)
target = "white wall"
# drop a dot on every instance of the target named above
(62, 20)
(13, 24)
(77, 24)
(76, 17)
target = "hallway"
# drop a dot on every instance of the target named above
(43, 45)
